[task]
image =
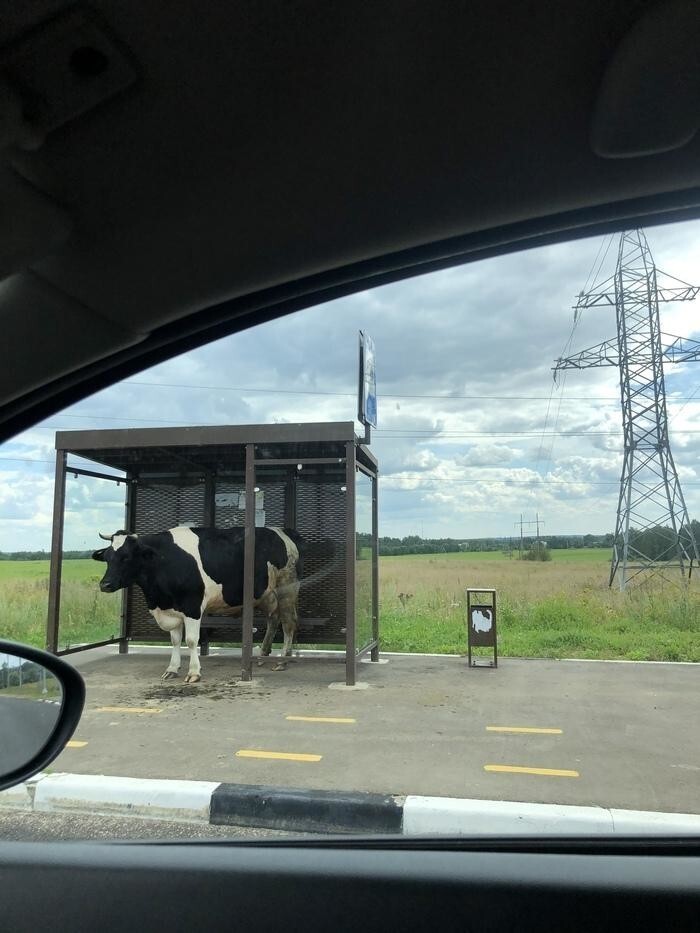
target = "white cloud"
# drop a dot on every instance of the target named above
(487, 455)
(470, 422)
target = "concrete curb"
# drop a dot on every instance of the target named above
(445, 816)
(186, 801)
(300, 810)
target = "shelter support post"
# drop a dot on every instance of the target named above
(130, 526)
(59, 502)
(375, 568)
(248, 565)
(350, 547)
(210, 522)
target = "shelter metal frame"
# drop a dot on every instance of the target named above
(323, 458)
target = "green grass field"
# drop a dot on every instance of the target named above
(86, 614)
(563, 608)
(560, 609)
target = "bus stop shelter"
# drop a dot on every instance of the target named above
(317, 478)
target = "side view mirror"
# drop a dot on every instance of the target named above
(41, 701)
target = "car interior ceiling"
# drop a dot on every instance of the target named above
(168, 169)
(172, 172)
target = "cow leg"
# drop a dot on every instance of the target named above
(172, 670)
(288, 617)
(289, 627)
(170, 621)
(270, 605)
(192, 640)
(270, 632)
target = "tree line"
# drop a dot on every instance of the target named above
(656, 543)
(411, 544)
(43, 555)
(28, 672)
(653, 542)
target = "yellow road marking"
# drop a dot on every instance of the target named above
(517, 769)
(75, 743)
(527, 729)
(281, 756)
(127, 709)
(318, 719)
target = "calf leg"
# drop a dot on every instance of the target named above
(289, 627)
(269, 604)
(192, 639)
(288, 617)
(173, 668)
(272, 626)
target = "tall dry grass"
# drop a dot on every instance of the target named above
(559, 609)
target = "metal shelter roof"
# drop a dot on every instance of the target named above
(215, 448)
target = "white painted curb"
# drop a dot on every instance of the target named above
(17, 798)
(153, 799)
(189, 801)
(445, 816)
(648, 823)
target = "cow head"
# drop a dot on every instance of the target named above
(126, 559)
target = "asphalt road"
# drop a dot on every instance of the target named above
(589, 733)
(25, 725)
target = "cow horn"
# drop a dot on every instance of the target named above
(104, 537)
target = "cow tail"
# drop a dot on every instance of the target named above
(301, 546)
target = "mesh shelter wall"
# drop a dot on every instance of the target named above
(160, 506)
(320, 519)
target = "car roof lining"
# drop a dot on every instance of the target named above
(233, 316)
(272, 156)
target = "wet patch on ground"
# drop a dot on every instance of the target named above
(215, 691)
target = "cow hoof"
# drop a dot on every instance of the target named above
(261, 661)
(170, 675)
(193, 678)
(280, 666)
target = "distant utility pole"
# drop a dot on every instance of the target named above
(515, 525)
(521, 524)
(650, 493)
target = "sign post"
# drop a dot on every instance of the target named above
(481, 624)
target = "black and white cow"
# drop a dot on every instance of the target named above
(185, 572)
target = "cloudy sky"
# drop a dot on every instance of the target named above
(472, 432)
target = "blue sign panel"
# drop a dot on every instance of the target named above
(367, 407)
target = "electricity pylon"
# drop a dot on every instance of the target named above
(650, 492)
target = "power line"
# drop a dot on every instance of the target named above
(388, 395)
(406, 477)
(433, 483)
(436, 435)
(680, 410)
(27, 460)
(509, 482)
(420, 433)
(392, 431)
(183, 385)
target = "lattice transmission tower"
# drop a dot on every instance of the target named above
(650, 492)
